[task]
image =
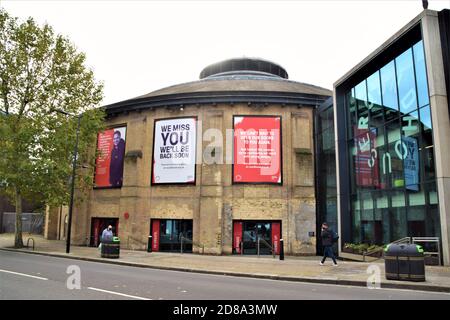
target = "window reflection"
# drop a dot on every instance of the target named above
(389, 90)
(406, 82)
(391, 152)
(421, 74)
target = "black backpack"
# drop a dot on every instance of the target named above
(335, 236)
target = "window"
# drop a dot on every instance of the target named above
(406, 82)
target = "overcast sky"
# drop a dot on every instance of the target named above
(136, 47)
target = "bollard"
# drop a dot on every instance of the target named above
(281, 249)
(149, 245)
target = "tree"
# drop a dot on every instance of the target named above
(41, 72)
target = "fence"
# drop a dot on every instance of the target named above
(31, 222)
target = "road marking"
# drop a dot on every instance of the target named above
(23, 274)
(119, 294)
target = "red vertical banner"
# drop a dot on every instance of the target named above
(257, 149)
(237, 236)
(109, 162)
(155, 235)
(366, 164)
(276, 235)
(96, 223)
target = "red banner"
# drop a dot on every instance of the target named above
(109, 162)
(366, 165)
(237, 236)
(257, 149)
(155, 235)
(276, 234)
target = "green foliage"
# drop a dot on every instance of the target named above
(39, 73)
(360, 248)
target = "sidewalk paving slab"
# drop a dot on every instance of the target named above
(302, 269)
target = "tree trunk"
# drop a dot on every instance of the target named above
(18, 242)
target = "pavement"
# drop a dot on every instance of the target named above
(300, 269)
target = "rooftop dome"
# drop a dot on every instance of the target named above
(231, 81)
(242, 66)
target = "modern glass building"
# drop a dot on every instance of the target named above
(392, 141)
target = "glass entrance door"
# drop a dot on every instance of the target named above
(171, 232)
(254, 230)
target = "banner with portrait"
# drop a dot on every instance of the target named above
(109, 162)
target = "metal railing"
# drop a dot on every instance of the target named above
(28, 242)
(417, 240)
(429, 240)
(406, 240)
(184, 240)
(266, 244)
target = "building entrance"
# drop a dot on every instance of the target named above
(247, 234)
(170, 234)
(100, 224)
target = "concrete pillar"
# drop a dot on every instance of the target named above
(51, 223)
(441, 121)
(211, 193)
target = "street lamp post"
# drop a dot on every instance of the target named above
(72, 187)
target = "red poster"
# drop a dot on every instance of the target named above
(109, 162)
(276, 234)
(366, 165)
(237, 236)
(257, 149)
(155, 235)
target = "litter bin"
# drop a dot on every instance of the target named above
(404, 262)
(111, 249)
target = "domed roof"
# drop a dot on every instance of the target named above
(244, 66)
(242, 74)
(243, 77)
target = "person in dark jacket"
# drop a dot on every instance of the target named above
(116, 166)
(327, 243)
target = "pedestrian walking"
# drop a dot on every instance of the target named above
(328, 239)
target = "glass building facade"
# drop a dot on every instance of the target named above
(389, 138)
(392, 142)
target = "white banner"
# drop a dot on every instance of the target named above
(174, 151)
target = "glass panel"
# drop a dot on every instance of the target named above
(373, 89)
(425, 118)
(426, 146)
(352, 117)
(326, 119)
(386, 225)
(399, 223)
(331, 216)
(389, 90)
(374, 98)
(328, 139)
(406, 82)
(356, 220)
(361, 103)
(421, 74)
(410, 124)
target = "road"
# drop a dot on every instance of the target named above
(29, 276)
